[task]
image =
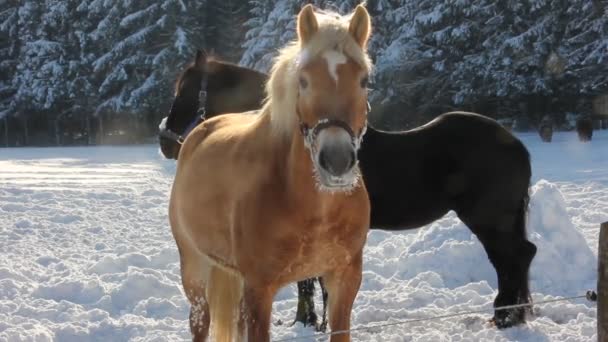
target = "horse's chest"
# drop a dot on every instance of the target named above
(324, 248)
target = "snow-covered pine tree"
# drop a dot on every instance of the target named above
(9, 48)
(428, 40)
(271, 25)
(512, 65)
(145, 46)
(477, 55)
(585, 48)
(48, 63)
(225, 28)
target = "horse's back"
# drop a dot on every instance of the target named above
(454, 162)
(223, 129)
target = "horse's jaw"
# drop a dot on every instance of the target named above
(327, 183)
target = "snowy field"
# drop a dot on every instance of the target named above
(86, 253)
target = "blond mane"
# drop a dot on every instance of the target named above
(282, 86)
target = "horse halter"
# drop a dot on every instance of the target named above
(311, 133)
(200, 116)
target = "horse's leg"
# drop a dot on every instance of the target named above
(258, 309)
(342, 286)
(306, 304)
(323, 325)
(511, 254)
(193, 279)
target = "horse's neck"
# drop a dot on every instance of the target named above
(302, 190)
(293, 168)
(299, 170)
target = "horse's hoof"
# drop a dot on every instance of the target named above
(311, 321)
(509, 318)
(322, 327)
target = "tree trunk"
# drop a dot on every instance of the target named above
(88, 128)
(26, 136)
(100, 131)
(6, 131)
(57, 137)
(136, 127)
(602, 285)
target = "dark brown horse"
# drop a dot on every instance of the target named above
(459, 161)
(221, 87)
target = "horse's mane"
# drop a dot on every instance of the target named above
(282, 86)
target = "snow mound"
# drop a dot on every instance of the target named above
(564, 260)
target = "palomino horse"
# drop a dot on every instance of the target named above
(461, 162)
(300, 200)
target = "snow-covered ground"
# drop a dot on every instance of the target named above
(86, 253)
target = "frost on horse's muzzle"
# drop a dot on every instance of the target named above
(333, 147)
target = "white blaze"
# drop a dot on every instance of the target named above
(334, 58)
(303, 58)
(163, 124)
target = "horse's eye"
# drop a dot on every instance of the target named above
(303, 83)
(364, 82)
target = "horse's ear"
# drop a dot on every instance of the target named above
(201, 58)
(360, 26)
(307, 24)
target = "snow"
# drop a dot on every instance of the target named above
(87, 253)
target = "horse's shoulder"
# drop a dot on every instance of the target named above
(193, 140)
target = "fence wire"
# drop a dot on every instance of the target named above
(590, 295)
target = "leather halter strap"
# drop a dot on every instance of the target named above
(310, 133)
(200, 116)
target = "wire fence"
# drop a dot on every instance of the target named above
(590, 295)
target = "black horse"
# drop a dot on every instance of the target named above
(460, 161)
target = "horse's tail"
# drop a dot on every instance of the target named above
(224, 295)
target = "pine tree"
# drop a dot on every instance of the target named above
(272, 24)
(145, 45)
(9, 47)
(475, 55)
(225, 28)
(585, 47)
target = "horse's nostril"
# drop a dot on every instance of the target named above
(336, 161)
(323, 160)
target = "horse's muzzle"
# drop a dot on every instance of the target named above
(169, 148)
(337, 159)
